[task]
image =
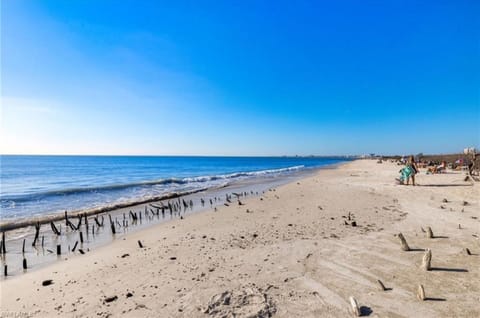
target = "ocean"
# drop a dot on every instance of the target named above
(35, 186)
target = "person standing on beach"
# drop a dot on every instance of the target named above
(413, 166)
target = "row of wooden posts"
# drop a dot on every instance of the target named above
(175, 208)
(425, 265)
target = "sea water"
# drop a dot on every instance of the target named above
(34, 186)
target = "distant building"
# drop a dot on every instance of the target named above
(469, 150)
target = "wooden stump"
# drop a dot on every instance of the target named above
(404, 243)
(427, 259)
(355, 307)
(429, 232)
(37, 233)
(420, 293)
(75, 246)
(3, 247)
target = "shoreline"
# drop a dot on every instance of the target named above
(16, 223)
(293, 251)
(43, 253)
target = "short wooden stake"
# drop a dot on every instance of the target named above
(24, 263)
(355, 307)
(86, 224)
(4, 247)
(404, 243)
(23, 247)
(59, 249)
(81, 237)
(5, 270)
(37, 233)
(429, 232)
(427, 259)
(75, 246)
(421, 293)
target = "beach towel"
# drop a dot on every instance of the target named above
(405, 173)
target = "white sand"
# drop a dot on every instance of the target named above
(291, 255)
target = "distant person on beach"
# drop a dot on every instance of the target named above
(471, 165)
(438, 169)
(413, 166)
(408, 172)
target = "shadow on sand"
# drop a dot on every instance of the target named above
(444, 185)
(455, 270)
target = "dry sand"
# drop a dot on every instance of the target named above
(290, 253)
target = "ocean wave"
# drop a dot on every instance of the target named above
(169, 181)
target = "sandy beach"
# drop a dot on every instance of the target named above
(300, 250)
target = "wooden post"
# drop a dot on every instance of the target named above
(355, 307)
(75, 246)
(4, 245)
(112, 225)
(59, 249)
(24, 263)
(79, 222)
(86, 223)
(37, 233)
(54, 228)
(403, 241)
(81, 237)
(429, 232)
(42, 239)
(421, 293)
(66, 219)
(23, 247)
(5, 270)
(427, 258)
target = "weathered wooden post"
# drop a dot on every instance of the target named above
(429, 232)
(403, 241)
(427, 258)
(421, 293)
(355, 307)
(37, 233)
(4, 247)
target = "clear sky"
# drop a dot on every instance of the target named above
(239, 77)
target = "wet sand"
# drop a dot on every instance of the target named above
(300, 250)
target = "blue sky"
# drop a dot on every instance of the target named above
(239, 77)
